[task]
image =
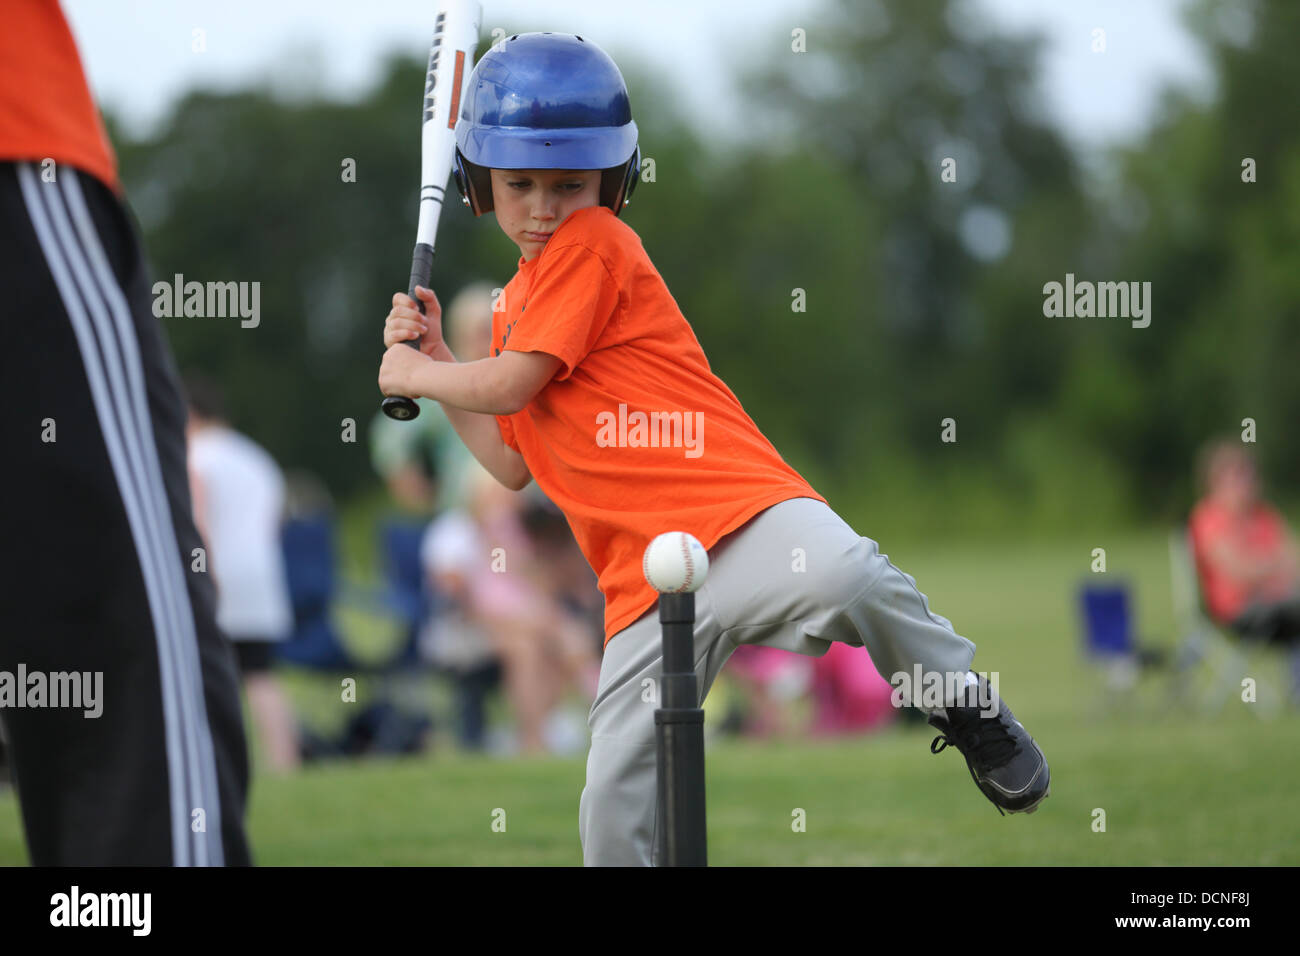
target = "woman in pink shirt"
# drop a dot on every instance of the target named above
(1246, 558)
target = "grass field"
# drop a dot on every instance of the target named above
(1178, 787)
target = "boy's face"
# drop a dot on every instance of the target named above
(531, 203)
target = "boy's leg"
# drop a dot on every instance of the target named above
(795, 576)
(798, 576)
(781, 579)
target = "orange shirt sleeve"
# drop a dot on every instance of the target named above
(571, 300)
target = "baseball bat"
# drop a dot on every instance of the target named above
(455, 38)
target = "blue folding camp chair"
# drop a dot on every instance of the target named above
(1108, 638)
(309, 562)
(316, 595)
(411, 600)
(406, 590)
(394, 715)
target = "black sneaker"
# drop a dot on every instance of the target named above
(1005, 763)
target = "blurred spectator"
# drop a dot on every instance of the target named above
(849, 695)
(1246, 558)
(423, 462)
(497, 598)
(425, 466)
(524, 615)
(238, 495)
(771, 681)
(510, 601)
(559, 566)
(845, 692)
(451, 553)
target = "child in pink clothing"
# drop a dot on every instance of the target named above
(847, 694)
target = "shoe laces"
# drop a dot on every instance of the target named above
(985, 742)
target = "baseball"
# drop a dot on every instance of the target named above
(675, 562)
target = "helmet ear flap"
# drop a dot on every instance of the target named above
(633, 175)
(474, 183)
(617, 184)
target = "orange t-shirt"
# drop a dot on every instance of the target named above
(635, 435)
(46, 111)
(1258, 534)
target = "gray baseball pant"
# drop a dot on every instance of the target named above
(795, 576)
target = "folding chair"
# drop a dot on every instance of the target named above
(406, 589)
(1212, 662)
(1108, 640)
(393, 715)
(309, 560)
(413, 601)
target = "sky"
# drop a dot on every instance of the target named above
(141, 63)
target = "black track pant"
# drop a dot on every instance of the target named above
(95, 544)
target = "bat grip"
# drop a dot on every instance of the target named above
(396, 406)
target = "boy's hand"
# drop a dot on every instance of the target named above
(405, 322)
(398, 368)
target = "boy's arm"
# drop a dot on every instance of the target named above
(471, 393)
(482, 437)
(490, 386)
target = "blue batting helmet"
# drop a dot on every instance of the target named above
(546, 101)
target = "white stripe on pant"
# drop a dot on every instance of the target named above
(105, 333)
(754, 594)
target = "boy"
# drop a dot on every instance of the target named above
(588, 349)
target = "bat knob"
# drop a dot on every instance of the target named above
(399, 408)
